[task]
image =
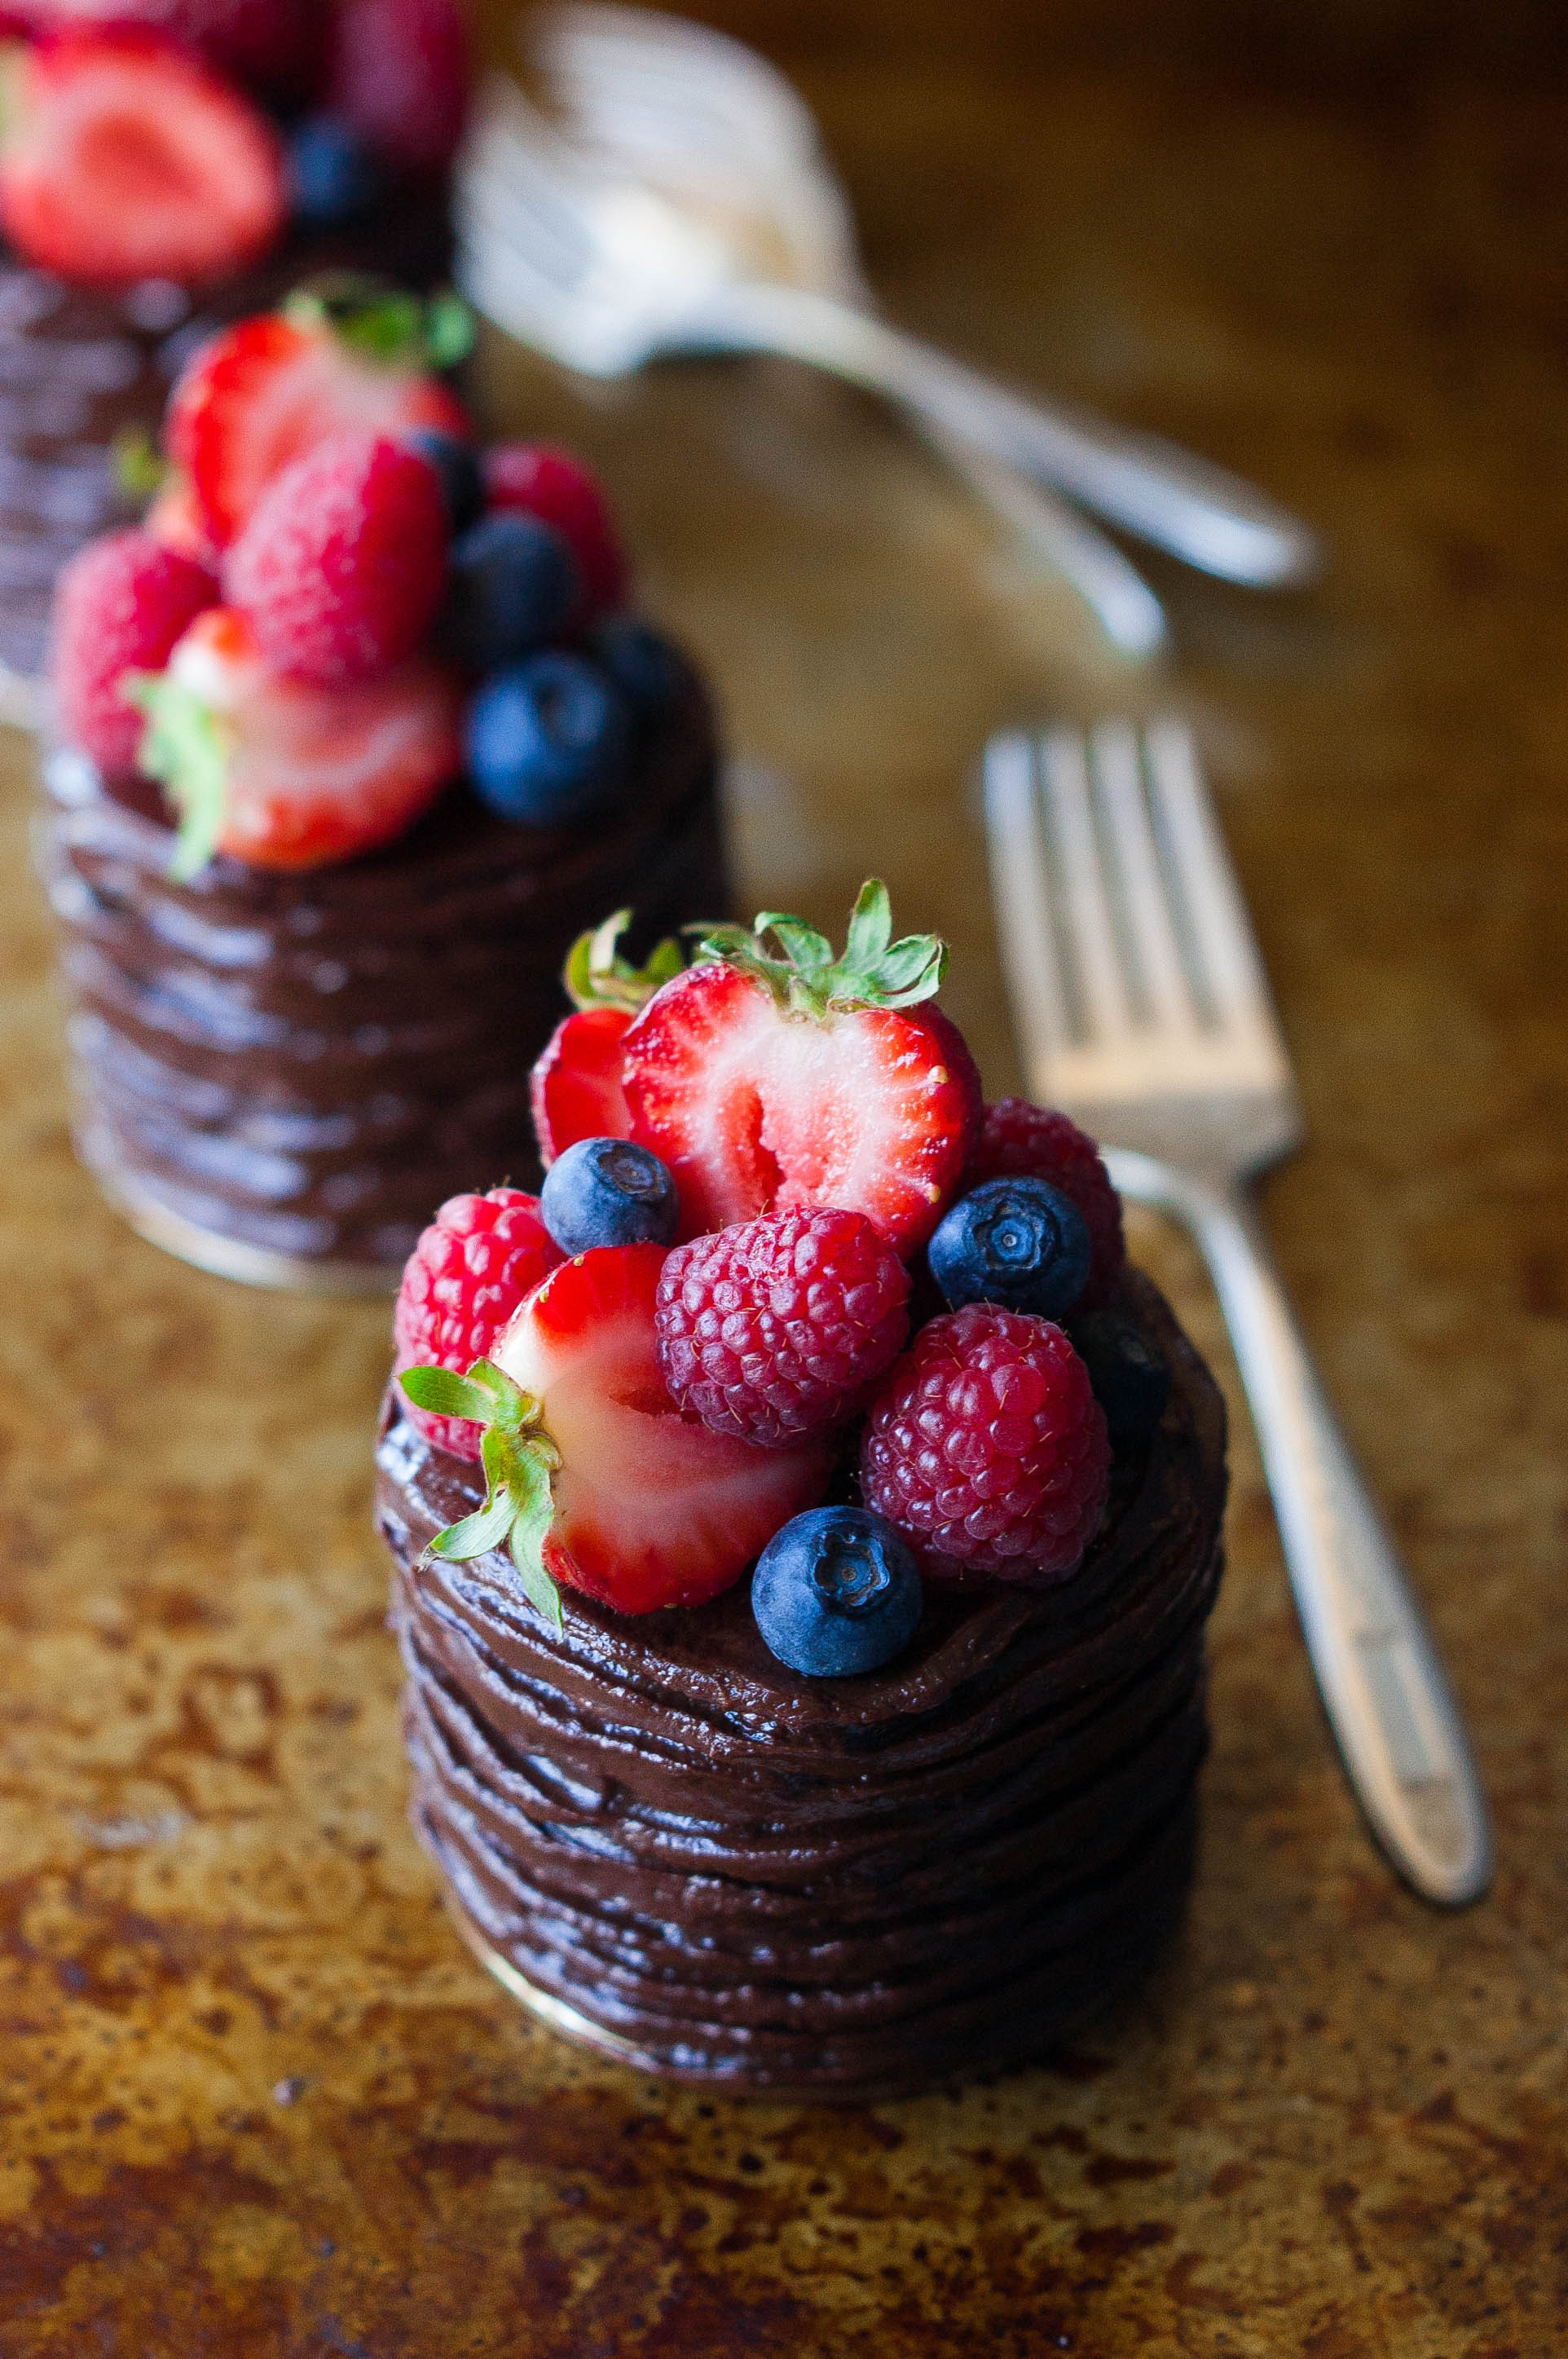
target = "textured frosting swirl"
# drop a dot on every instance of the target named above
(838, 1885)
(310, 1063)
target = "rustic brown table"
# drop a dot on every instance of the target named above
(257, 2098)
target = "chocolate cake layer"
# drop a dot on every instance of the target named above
(77, 369)
(307, 1065)
(742, 1875)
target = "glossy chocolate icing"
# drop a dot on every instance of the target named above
(310, 1063)
(835, 1886)
(79, 368)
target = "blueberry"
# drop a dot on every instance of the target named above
(640, 663)
(606, 1191)
(547, 741)
(1016, 1242)
(513, 584)
(333, 173)
(836, 1591)
(457, 464)
(1128, 1371)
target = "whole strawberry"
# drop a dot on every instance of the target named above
(986, 1448)
(342, 566)
(463, 1280)
(120, 607)
(769, 1078)
(776, 1329)
(1017, 1138)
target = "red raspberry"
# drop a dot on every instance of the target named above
(462, 1284)
(120, 605)
(988, 1449)
(774, 1328)
(554, 485)
(342, 566)
(400, 73)
(1019, 1137)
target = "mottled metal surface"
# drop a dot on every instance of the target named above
(257, 2098)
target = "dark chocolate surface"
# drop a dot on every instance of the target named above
(310, 1063)
(843, 1885)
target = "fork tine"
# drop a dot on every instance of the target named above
(1218, 927)
(1152, 950)
(1031, 953)
(1085, 908)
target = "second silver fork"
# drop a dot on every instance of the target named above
(1142, 1009)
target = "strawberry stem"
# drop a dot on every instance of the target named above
(384, 322)
(519, 1459)
(596, 976)
(807, 980)
(185, 747)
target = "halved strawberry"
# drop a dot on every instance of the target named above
(123, 159)
(767, 1080)
(281, 773)
(271, 389)
(650, 1507)
(574, 1087)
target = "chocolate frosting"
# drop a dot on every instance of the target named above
(79, 368)
(842, 1886)
(310, 1063)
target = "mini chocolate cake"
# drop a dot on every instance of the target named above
(279, 1074)
(79, 369)
(717, 1870)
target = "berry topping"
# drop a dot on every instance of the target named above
(263, 393)
(768, 1080)
(123, 159)
(553, 484)
(1129, 1374)
(461, 1283)
(281, 773)
(334, 174)
(1017, 1138)
(458, 472)
(988, 1449)
(400, 74)
(343, 563)
(574, 1087)
(836, 1591)
(778, 1327)
(1016, 1242)
(120, 607)
(174, 519)
(548, 741)
(643, 666)
(605, 1191)
(271, 44)
(596, 1479)
(514, 583)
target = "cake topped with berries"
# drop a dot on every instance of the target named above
(356, 731)
(167, 165)
(804, 1525)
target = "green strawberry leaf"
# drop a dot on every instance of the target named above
(383, 322)
(519, 1460)
(807, 979)
(187, 748)
(595, 975)
(140, 468)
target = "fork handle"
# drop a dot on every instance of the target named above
(1387, 1698)
(1165, 495)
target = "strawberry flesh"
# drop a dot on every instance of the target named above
(576, 1086)
(126, 160)
(871, 1109)
(269, 390)
(652, 1510)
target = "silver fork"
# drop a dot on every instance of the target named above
(606, 274)
(1142, 1009)
(720, 132)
